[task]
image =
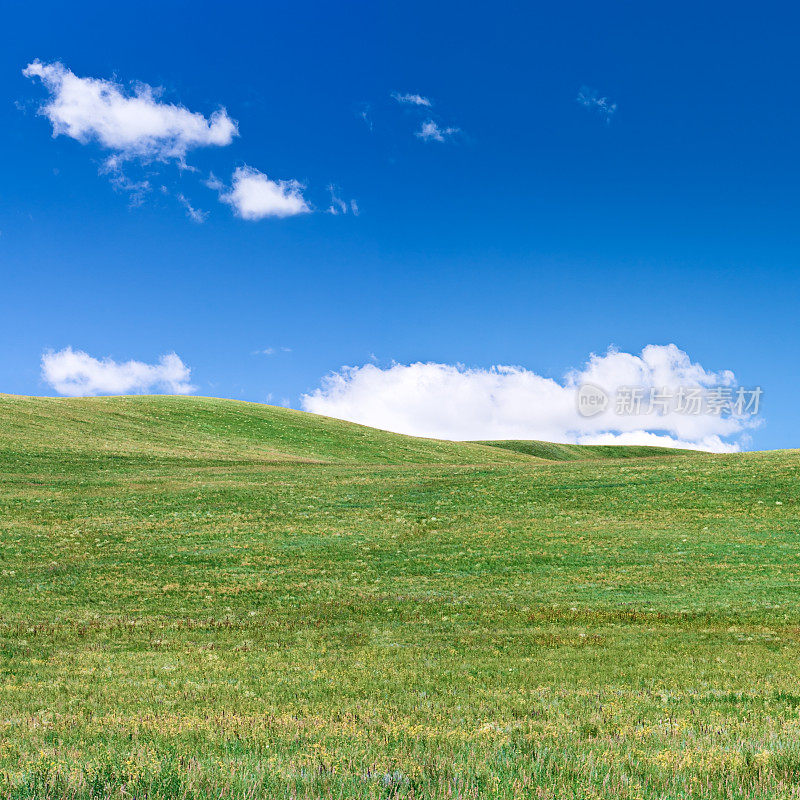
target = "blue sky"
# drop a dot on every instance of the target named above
(539, 230)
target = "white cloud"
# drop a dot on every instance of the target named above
(365, 113)
(254, 196)
(430, 131)
(339, 206)
(712, 443)
(77, 374)
(506, 402)
(412, 99)
(194, 214)
(132, 124)
(213, 182)
(137, 190)
(600, 105)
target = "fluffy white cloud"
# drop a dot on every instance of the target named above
(412, 99)
(431, 132)
(254, 196)
(77, 374)
(133, 124)
(505, 402)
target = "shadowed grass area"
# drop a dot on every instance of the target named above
(578, 452)
(189, 610)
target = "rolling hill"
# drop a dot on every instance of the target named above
(199, 427)
(204, 598)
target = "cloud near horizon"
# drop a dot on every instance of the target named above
(449, 401)
(75, 373)
(132, 124)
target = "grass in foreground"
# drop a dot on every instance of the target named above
(191, 609)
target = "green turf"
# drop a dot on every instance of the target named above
(205, 599)
(205, 428)
(579, 452)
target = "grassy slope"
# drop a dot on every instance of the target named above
(215, 622)
(205, 428)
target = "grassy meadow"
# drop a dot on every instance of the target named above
(211, 599)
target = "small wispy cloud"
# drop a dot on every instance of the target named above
(431, 132)
(77, 374)
(412, 99)
(194, 214)
(430, 129)
(214, 183)
(365, 113)
(254, 196)
(136, 190)
(339, 206)
(271, 351)
(601, 106)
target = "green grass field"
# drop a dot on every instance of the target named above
(211, 599)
